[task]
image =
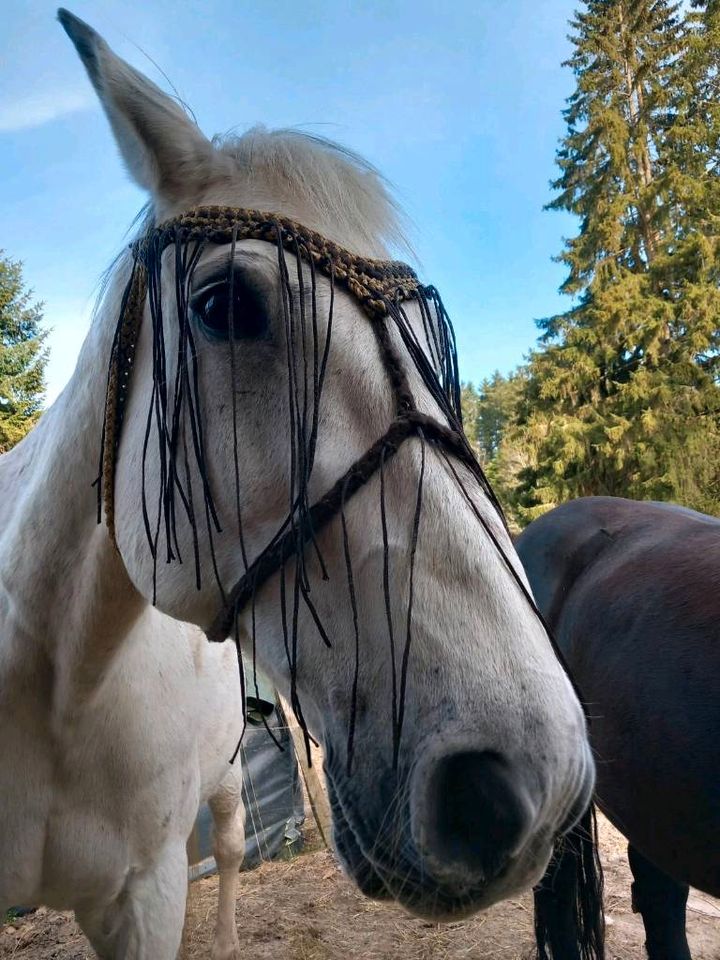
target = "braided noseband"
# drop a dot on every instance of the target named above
(380, 286)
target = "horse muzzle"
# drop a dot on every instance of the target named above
(460, 831)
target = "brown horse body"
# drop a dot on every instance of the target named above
(632, 592)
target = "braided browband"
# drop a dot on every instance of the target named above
(374, 283)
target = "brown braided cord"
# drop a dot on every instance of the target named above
(118, 386)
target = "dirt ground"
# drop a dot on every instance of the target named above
(305, 909)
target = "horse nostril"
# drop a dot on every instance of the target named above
(477, 814)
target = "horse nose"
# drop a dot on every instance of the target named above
(477, 813)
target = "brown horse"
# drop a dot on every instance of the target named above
(632, 592)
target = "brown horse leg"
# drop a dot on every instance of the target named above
(660, 901)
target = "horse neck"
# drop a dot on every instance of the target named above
(68, 602)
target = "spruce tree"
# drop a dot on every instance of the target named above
(488, 410)
(469, 401)
(23, 356)
(622, 398)
(497, 400)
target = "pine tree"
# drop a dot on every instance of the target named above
(469, 405)
(497, 400)
(23, 356)
(503, 448)
(488, 410)
(623, 398)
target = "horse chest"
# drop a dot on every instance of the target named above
(85, 804)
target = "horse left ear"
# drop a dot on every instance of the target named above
(164, 151)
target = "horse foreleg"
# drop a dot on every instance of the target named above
(228, 815)
(660, 901)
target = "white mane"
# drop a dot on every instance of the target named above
(335, 185)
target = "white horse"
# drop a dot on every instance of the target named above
(469, 745)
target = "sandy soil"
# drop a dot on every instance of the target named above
(305, 909)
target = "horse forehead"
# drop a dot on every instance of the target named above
(258, 254)
(241, 195)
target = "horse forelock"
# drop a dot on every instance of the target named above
(342, 195)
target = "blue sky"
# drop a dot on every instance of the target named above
(458, 104)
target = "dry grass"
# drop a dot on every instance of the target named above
(306, 910)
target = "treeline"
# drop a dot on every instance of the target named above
(621, 395)
(23, 355)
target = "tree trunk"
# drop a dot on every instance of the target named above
(635, 97)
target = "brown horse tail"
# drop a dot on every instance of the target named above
(569, 920)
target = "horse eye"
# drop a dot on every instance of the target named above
(211, 310)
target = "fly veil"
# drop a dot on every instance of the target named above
(382, 288)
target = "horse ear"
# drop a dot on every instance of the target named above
(163, 149)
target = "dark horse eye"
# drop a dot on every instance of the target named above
(211, 309)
